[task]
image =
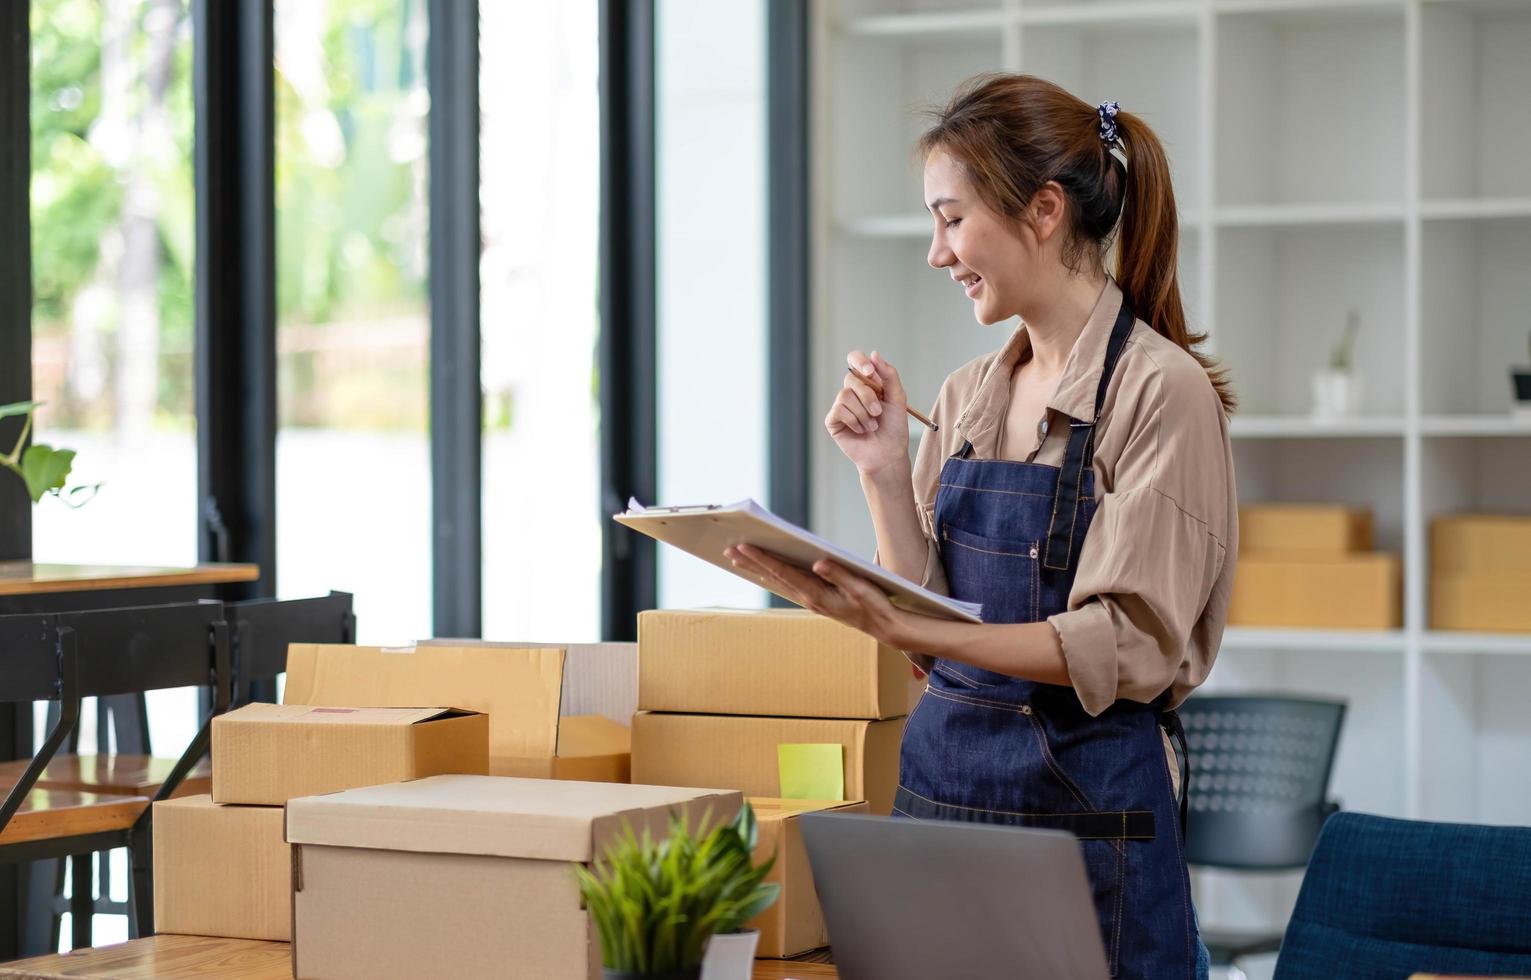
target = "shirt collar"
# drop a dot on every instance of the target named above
(1075, 394)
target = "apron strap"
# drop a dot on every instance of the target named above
(1079, 455)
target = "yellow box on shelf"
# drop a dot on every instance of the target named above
(1362, 591)
(1479, 544)
(1327, 529)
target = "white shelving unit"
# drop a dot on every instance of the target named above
(1329, 155)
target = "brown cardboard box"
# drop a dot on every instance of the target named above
(795, 923)
(519, 688)
(740, 752)
(1361, 591)
(1487, 602)
(1327, 529)
(265, 754)
(598, 678)
(462, 876)
(1344, 591)
(221, 870)
(786, 662)
(1477, 543)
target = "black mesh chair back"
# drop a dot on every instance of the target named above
(1260, 768)
(264, 628)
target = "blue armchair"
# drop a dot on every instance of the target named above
(1385, 898)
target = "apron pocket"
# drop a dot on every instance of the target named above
(1010, 590)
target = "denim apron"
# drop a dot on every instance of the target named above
(991, 748)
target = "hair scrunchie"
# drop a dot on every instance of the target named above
(1108, 134)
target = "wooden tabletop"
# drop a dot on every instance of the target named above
(31, 578)
(168, 957)
(182, 957)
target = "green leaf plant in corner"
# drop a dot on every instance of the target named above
(656, 903)
(42, 468)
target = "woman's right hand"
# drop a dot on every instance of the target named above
(872, 432)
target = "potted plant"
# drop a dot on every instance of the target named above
(1337, 388)
(1520, 378)
(657, 905)
(42, 468)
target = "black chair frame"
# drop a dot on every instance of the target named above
(67, 657)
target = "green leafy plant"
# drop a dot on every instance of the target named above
(43, 468)
(1341, 357)
(656, 903)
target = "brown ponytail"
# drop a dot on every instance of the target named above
(1014, 133)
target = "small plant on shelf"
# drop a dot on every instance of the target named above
(1336, 388)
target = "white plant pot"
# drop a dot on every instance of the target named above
(731, 955)
(1336, 394)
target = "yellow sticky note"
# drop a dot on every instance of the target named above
(813, 771)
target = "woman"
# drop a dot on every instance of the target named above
(1080, 487)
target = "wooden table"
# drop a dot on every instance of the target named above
(27, 578)
(32, 587)
(184, 957)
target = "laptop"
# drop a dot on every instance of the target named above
(907, 898)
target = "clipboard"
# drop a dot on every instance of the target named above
(705, 530)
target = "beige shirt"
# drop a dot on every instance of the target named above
(1150, 597)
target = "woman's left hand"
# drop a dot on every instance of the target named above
(833, 591)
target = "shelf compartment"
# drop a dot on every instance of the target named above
(1359, 472)
(1475, 117)
(1473, 754)
(880, 94)
(1369, 766)
(1474, 324)
(1154, 73)
(1309, 105)
(1283, 295)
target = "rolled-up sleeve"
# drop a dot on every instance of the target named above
(1155, 549)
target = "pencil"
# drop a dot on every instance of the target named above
(876, 385)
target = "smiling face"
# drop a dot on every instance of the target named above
(1000, 264)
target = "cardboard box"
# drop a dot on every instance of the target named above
(1343, 592)
(1478, 543)
(265, 754)
(1323, 529)
(1490, 603)
(784, 662)
(598, 678)
(221, 870)
(795, 924)
(519, 688)
(462, 876)
(742, 753)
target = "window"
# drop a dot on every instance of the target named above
(539, 151)
(353, 318)
(113, 246)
